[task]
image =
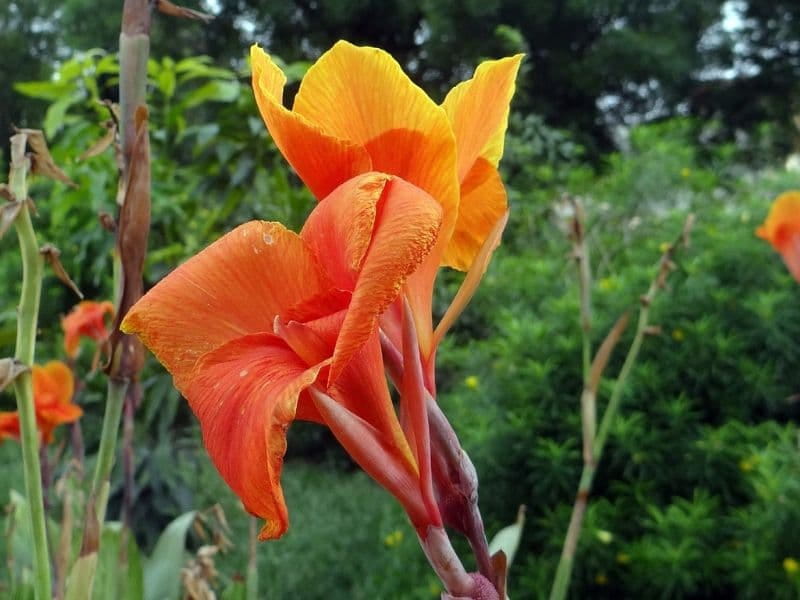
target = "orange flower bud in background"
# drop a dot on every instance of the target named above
(86, 319)
(782, 229)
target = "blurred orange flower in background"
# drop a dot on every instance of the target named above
(53, 387)
(782, 229)
(9, 425)
(86, 319)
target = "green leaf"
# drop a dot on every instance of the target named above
(115, 579)
(81, 577)
(54, 118)
(162, 570)
(213, 91)
(45, 90)
(166, 82)
(507, 539)
(19, 528)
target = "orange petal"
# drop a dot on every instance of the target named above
(791, 255)
(782, 229)
(53, 383)
(87, 319)
(374, 231)
(363, 390)
(783, 219)
(322, 160)
(245, 395)
(362, 95)
(9, 425)
(53, 387)
(483, 202)
(473, 278)
(365, 445)
(233, 288)
(478, 111)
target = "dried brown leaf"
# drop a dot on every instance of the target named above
(127, 354)
(5, 192)
(10, 369)
(107, 222)
(42, 161)
(103, 143)
(8, 214)
(53, 256)
(173, 10)
(604, 353)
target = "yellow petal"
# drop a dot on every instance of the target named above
(362, 95)
(483, 202)
(322, 161)
(478, 111)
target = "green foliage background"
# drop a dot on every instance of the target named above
(698, 495)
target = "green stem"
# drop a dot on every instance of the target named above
(564, 569)
(252, 562)
(32, 267)
(619, 386)
(108, 445)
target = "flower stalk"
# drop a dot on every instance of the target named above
(593, 451)
(32, 270)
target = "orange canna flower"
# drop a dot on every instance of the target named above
(357, 111)
(265, 326)
(86, 319)
(782, 229)
(53, 387)
(9, 425)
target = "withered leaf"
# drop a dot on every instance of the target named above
(53, 256)
(8, 214)
(107, 222)
(5, 192)
(173, 10)
(127, 354)
(10, 369)
(604, 353)
(43, 163)
(102, 144)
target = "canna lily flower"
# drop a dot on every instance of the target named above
(53, 387)
(86, 319)
(9, 425)
(357, 111)
(782, 229)
(266, 326)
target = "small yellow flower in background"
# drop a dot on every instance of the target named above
(434, 588)
(678, 335)
(748, 464)
(745, 217)
(601, 579)
(663, 247)
(471, 381)
(607, 284)
(604, 536)
(686, 172)
(790, 565)
(393, 539)
(623, 558)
